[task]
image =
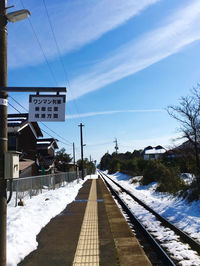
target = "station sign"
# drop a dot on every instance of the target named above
(47, 108)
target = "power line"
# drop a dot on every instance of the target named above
(56, 133)
(46, 133)
(56, 43)
(57, 139)
(59, 54)
(14, 108)
(20, 113)
(45, 57)
(58, 50)
(40, 122)
(54, 37)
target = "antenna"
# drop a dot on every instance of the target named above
(116, 145)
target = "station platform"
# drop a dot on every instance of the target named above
(90, 231)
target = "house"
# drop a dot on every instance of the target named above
(46, 153)
(185, 147)
(152, 153)
(27, 168)
(37, 155)
(68, 167)
(22, 137)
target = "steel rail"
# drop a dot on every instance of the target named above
(185, 237)
(158, 249)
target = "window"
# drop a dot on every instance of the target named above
(12, 143)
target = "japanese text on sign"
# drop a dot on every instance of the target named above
(46, 108)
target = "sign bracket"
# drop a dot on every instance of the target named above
(34, 89)
(49, 108)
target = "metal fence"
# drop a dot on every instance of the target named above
(28, 187)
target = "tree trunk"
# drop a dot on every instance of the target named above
(197, 162)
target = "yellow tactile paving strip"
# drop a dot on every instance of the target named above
(87, 251)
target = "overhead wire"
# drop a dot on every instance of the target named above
(69, 144)
(14, 107)
(51, 71)
(48, 64)
(39, 121)
(39, 43)
(20, 113)
(59, 55)
(54, 37)
(58, 50)
(56, 43)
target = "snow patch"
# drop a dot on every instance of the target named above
(25, 223)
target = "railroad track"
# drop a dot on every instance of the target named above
(162, 253)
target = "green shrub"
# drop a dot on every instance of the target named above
(153, 171)
(129, 167)
(167, 177)
(171, 182)
(194, 191)
(141, 165)
(114, 166)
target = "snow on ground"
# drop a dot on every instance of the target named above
(185, 216)
(187, 178)
(25, 223)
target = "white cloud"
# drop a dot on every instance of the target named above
(76, 23)
(181, 29)
(112, 112)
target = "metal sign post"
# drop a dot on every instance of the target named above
(4, 18)
(3, 130)
(57, 112)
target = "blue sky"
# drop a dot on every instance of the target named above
(122, 61)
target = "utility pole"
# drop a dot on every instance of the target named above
(74, 159)
(90, 166)
(3, 129)
(81, 133)
(116, 145)
(4, 18)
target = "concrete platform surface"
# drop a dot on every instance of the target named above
(90, 231)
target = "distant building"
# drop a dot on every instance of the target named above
(185, 149)
(37, 155)
(152, 153)
(46, 153)
(71, 167)
(186, 146)
(27, 168)
(22, 137)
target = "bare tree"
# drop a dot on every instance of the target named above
(188, 114)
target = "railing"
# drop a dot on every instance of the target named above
(27, 187)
